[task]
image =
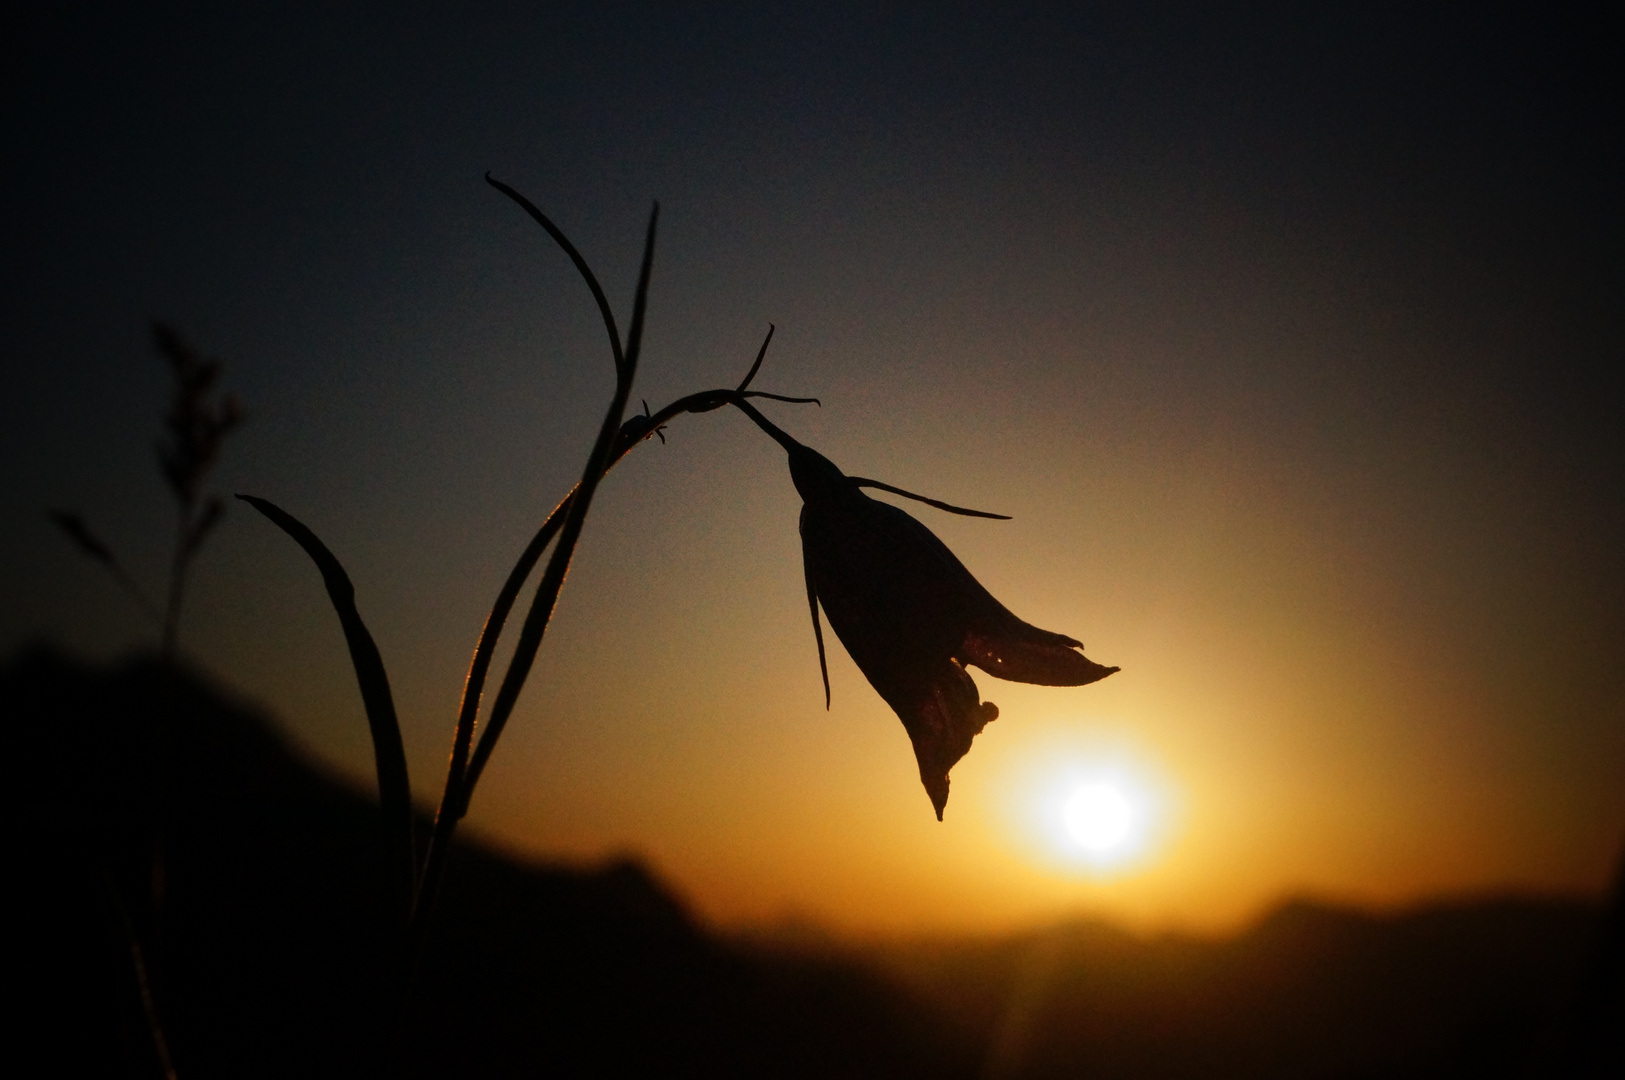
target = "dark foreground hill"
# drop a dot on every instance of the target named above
(272, 940)
(272, 936)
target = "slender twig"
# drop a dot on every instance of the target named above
(457, 794)
(777, 433)
(790, 444)
(454, 801)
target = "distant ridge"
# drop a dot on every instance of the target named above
(271, 946)
(1471, 989)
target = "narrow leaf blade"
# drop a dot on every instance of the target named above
(394, 786)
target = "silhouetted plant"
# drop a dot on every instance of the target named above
(196, 426)
(910, 614)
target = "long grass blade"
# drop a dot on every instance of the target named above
(394, 786)
(452, 799)
(460, 774)
(640, 301)
(580, 264)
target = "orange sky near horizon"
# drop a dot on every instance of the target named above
(1325, 655)
(1285, 341)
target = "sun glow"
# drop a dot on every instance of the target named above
(1085, 805)
(1099, 817)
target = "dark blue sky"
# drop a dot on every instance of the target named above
(271, 165)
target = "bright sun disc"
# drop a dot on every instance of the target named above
(1087, 805)
(1099, 817)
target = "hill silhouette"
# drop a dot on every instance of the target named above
(1477, 989)
(272, 940)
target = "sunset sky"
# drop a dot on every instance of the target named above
(1290, 339)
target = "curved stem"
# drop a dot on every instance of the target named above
(143, 979)
(766, 425)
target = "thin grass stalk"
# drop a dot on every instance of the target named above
(547, 593)
(703, 401)
(90, 545)
(789, 443)
(454, 799)
(143, 981)
(177, 585)
(479, 667)
(148, 962)
(775, 432)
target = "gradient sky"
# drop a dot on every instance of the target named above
(1290, 338)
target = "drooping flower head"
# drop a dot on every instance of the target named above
(911, 616)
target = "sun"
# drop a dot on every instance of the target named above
(1090, 804)
(1103, 817)
(1099, 817)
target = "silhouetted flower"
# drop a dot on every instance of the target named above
(912, 617)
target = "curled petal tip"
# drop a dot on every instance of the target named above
(937, 748)
(1023, 653)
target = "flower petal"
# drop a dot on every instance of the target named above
(897, 608)
(1031, 655)
(812, 590)
(994, 639)
(911, 617)
(941, 726)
